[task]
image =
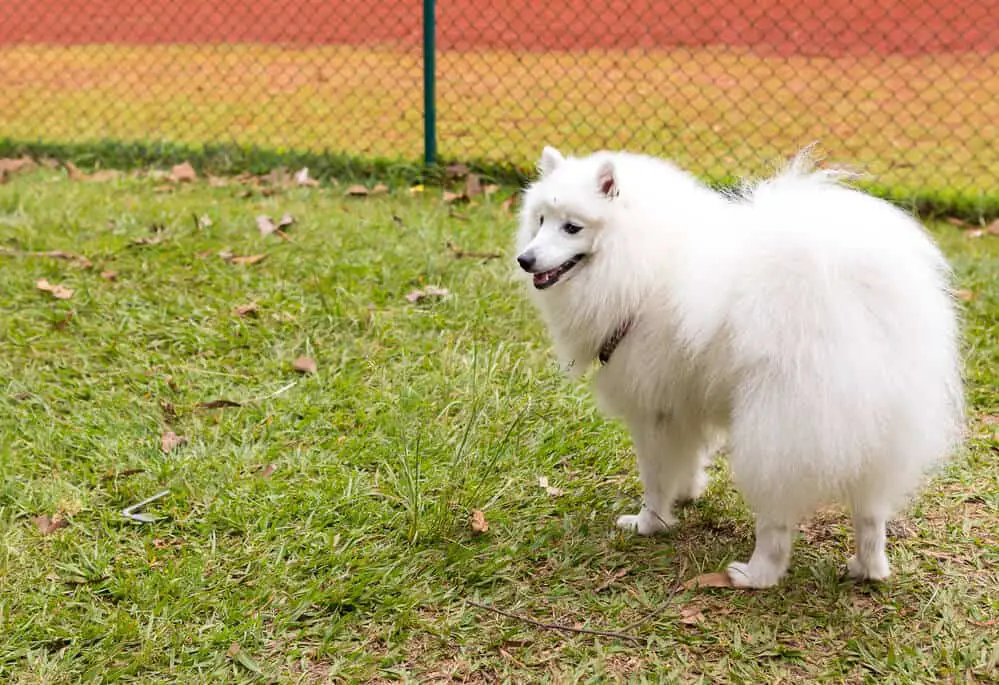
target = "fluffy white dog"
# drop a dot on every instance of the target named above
(809, 323)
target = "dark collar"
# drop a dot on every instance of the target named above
(611, 343)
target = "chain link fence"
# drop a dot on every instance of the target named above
(907, 90)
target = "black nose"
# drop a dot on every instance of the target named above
(526, 261)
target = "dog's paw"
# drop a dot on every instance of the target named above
(646, 522)
(868, 569)
(745, 575)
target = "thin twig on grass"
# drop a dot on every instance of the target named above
(557, 626)
(52, 254)
(468, 254)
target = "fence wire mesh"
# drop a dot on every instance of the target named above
(907, 90)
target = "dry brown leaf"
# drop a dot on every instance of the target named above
(267, 225)
(104, 175)
(170, 440)
(490, 188)
(991, 420)
(954, 221)
(305, 365)
(551, 490)
(57, 291)
(268, 471)
(233, 650)
(217, 404)
(217, 182)
(12, 166)
(247, 309)
(429, 291)
(148, 240)
(456, 171)
(49, 524)
(717, 579)
(473, 186)
(510, 204)
(302, 178)
(965, 295)
(454, 198)
(250, 259)
(478, 522)
(691, 615)
(993, 228)
(618, 574)
(380, 189)
(357, 191)
(74, 173)
(109, 275)
(183, 173)
(974, 233)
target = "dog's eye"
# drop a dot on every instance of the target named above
(571, 228)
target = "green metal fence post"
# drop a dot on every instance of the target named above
(429, 85)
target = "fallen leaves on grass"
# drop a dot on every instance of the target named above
(473, 186)
(268, 470)
(78, 260)
(217, 404)
(245, 310)
(59, 292)
(550, 489)
(249, 259)
(303, 179)
(10, 166)
(965, 295)
(267, 226)
(616, 576)
(49, 524)
(155, 236)
(240, 657)
(169, 441)
(509, 205)
(717, 579)
(305, 365)
(427, 292)
(691, 615)
(993, 228)
(468, 254)
(454, 198)
(991, 419)
(183, 173)
(109, 275)
(358, 191)
(478, 522)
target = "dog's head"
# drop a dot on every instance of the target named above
(563, 215)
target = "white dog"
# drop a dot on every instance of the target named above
(809, 323)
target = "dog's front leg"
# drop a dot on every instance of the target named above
(668, 464)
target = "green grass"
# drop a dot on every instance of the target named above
(351, 559)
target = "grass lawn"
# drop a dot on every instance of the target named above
(915, 123)
(319, 531)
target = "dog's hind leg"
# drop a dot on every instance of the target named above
(771, 555)
(870, 516)
(670, 467)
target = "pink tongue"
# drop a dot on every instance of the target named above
(542, 277)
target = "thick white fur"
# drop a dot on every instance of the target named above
(809, 323)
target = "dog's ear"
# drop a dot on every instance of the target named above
(606, 180)
(550, 160)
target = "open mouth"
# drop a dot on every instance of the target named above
(546, 279)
